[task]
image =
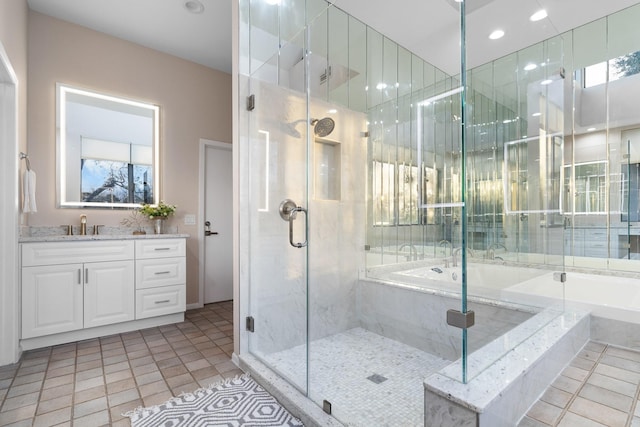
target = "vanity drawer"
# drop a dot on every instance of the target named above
(160, 248)
(54, 253)
(153, 273)
(160, 301)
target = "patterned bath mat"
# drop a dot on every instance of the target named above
(235, 402)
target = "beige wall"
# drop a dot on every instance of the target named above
(195, 103)
(13, 36)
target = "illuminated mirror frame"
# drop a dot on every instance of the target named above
(63, 92)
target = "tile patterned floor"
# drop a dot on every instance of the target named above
(599, 388)
(370, 380)
(91, 383)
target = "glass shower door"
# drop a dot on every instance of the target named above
(274, 151)
(278, 252)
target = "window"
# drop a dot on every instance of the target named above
(396, 194)
(616, 68)
(115, 172)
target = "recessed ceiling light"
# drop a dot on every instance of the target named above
(535, 115)
(496, 35)
(546, 82)
(194, 6)
(530, 66)
(332, 111)
(591, 129)
(541, 14)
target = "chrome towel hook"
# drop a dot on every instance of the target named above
(26, 158)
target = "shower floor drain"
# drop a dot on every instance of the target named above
(376, 378)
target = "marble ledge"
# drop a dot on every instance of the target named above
(490, 383)
(91, 237)
(29, 234)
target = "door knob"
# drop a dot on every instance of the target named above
(207, 229)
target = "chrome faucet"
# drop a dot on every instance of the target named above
(413, 251)
(446, 242)
(491, 250)
(456, 251)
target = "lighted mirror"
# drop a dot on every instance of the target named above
(107, 150)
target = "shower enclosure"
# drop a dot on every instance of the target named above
(379, 183)
(383, 198)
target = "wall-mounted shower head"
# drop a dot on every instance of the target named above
(323, 127)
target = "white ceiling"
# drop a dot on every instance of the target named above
(429, 28)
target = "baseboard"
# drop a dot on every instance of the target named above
(194, 306)
(100, 331)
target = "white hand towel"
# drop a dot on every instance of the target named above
(29, 192)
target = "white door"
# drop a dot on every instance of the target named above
(218, 240)
(51, 299)
(109, 293)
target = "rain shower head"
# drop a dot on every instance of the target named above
(323, 127)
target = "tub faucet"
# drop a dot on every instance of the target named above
(446, 242)
(491, 250)
(456, 251)
(413, 251)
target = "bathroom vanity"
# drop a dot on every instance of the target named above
(81, 287)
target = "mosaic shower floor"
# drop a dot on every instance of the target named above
(369, 379)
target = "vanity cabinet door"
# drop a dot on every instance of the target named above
(109, 292)
(51, 299)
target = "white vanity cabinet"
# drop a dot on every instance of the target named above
(80, 289)
(73, 285)
(52, 299)
(160, 277)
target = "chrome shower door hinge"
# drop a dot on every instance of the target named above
(250, 324)
(560, 277)
(251, 102)
(326, 406)
(461, 320)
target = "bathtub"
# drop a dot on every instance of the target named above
(483, 279)
(611, 297)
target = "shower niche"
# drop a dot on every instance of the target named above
(326, 169)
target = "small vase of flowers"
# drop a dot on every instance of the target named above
(158, 214)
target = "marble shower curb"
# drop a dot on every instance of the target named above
(503, 392)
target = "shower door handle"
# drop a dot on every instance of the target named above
(292, 217)
(288, 212)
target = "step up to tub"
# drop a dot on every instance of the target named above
(508, 375)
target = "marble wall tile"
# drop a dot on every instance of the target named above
(418, 318)
(441, 412)
(616, 332)
(284, 283)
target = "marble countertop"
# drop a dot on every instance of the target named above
(80, 238)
